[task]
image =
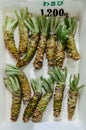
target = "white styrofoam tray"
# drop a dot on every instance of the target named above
(74, 8)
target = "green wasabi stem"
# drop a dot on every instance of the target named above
(62, 35)
(9, 26)
(44, 28)
(32, 23)
(25, 86)
(23, 31)
(48, 85)
(12, 83)
(73, 94)
(32, 104)
(59, 76)
(71, 49)
(51, 43)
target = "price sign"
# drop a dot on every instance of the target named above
(54, 12)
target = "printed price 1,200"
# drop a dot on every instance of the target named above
(54, 12)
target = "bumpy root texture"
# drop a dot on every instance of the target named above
(58, 98)
(31, 107)
(23, 44)
(10, 44)
(40, 53)
(72, 100)
(30, 52)
(38, 113)
(72, 49)
(25, 86)
(50, 50)
(16, 105)
(59, 55)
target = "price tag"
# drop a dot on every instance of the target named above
(54, 12)
(57, 11)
